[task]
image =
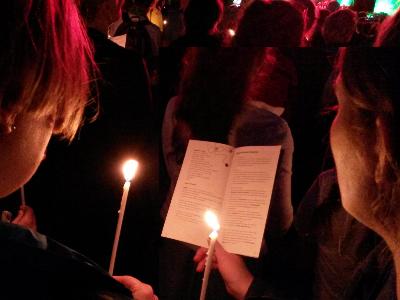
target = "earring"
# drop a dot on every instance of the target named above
(7, 129)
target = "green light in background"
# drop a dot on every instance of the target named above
(386, 6)
(346, 2)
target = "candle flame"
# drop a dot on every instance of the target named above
(212, 220)
(213, 235)
(129, 169)
(231, 32)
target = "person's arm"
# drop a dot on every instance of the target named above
(236, 276)
(277, 282)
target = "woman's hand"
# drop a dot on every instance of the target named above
(233, 270)
(139, 290)
(26, 217)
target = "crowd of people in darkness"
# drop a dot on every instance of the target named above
(87, 84)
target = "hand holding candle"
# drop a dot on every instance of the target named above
(129, 170)
(212, 221)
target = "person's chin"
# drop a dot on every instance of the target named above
(348, 206)
(6, 191)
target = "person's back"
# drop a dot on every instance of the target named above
(201, 18)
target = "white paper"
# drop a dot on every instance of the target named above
(236, 184)
(200, 187)
(247, 198)
(120, 40)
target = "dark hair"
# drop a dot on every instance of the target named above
(270, 23)
(339, 27)
(322, 15)
(145, 3)
(88, 8)
(333, 6)
(213, 89)
(201, 16)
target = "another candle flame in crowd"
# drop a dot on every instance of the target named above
(129, 169)
(212, 221)
(231, 32)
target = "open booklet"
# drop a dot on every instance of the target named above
(235, 183)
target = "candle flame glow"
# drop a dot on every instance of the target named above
(213, 235)
(231, 32)
(129, 169)
(212, 220)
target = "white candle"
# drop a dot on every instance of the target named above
(129, 169)
(212, 221)
(23, 202)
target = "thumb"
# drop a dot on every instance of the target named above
(219, 250)
(19, 216)
(129, 282)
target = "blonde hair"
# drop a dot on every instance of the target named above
(46, 62)
(371, 77)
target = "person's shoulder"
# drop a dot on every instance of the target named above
(257, 126)
(255, 113)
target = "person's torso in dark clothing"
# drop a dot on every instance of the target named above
(36, 267)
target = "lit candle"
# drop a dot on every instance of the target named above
(129, 170)
(212, 221)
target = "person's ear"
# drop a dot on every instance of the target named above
(6, 122)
